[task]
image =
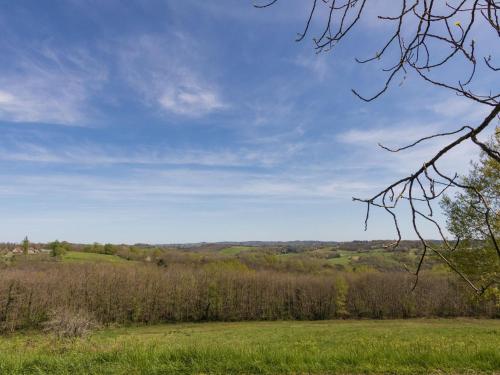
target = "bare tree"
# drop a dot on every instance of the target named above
(427, 37)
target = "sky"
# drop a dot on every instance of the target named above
(187, 121)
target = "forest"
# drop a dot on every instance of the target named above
(130, 285)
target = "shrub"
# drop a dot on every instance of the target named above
(58, 249)
(65, 322)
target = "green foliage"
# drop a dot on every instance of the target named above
(81, 257)
(26, 245)
(342, 289)
(109, 249)
(233, 250)
(306, 259)
(340, 347)
(466, 219)
(96, 248)
(58, 249)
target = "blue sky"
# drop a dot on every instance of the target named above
(185, 121)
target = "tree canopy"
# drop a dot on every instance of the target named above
(466, 219)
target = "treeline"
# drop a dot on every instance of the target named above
(275, 246)
(111, 294)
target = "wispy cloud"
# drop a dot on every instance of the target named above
(403, 132)
(169, 73)
(93, 154)
(367, 153)
(49, 86)
(317, 64)
(460, 109)
(190, 100)
(186, 182)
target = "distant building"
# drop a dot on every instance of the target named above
(31, 250)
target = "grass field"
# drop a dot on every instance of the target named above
(233, 250)
(77, 256)
(326, 347)
(347, 256)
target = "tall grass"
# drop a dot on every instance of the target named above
(333, 347)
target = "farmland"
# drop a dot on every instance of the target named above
(75, 256)
(271, 308)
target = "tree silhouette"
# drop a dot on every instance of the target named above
(428, 37)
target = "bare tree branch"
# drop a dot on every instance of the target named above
(427, 36)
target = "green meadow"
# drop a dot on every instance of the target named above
(77, 256)
(234, 250)
(458, 346)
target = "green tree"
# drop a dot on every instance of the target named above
(476, 227)
(109, 249)
(57, 248)
(342, 290)
(97, 248)
(26, 245)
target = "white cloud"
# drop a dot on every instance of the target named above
(461, 109)
(97, 155)
(169, 71)
(368, 154)
(404, 132)
(6, 98)
(316, 63)
(49, 86)
(186, 182)
(190, 101)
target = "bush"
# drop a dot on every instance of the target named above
(69, 323)
(58, 249)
